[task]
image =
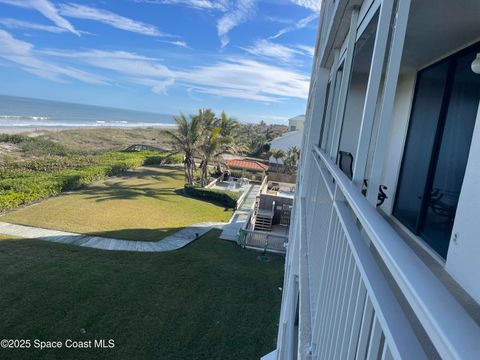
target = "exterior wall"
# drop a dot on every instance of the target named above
(321, 196)
(396, 136)
(463, 256)
(296, 123)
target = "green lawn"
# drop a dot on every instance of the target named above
(146, 204)
(209, 300)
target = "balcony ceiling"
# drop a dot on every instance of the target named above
(439, 28)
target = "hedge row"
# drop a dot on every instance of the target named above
(224, 197)
(164, 159)
(25, 182)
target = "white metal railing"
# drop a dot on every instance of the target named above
(214, 182)
(263, 185)
(243, 197)
(263, 240)
(357, 314)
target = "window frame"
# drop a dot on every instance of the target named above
(416, 232)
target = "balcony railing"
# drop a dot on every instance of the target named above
(263, 240)
(370, 295)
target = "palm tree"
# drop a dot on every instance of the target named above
(210, 148)
(291, 159)
(217, 139)
(228, 125)
(277, 154)
(186, 138)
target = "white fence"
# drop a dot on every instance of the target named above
(369, 293)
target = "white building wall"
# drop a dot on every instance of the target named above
(397, 136)
(463, 261)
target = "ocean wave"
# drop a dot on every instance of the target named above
(21, 117)
(97, 124)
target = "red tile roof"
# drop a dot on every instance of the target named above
(247, 164)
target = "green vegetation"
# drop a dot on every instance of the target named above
(22, 182)
(277, 154)
(224, 197)
(290, 161)
(203, 136)
(91, 141)
(254, 139)
(35, 146)
(209, 300)
(145, 204)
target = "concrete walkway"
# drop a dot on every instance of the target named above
(241, 215)
(169, 243)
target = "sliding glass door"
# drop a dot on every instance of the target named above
(441, 125)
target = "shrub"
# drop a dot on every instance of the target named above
(12, 138)
(28, 181)
(224, 197)
(163, 159)
(36, 146)
(173, 159)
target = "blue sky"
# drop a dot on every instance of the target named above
(251, 58)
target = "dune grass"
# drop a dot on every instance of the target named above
(209, 300)
(146, 204)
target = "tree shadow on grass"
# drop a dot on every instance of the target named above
(137, 234)
(123, 192)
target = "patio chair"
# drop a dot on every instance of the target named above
(442, 203)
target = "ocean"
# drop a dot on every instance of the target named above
(28, 113)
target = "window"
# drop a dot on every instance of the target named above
(325, 112)
(357, 89)
(441, 125)
(330, 118)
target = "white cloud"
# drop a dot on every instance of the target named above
(109, 18)
(297, 26)
(268, 48)
(122, 62)
(27, 25)
(157, 86)
(24, 54)
(279, 20)
(47, 9)
(241, 12)
(197, 4)
(306, 49)
(236, 77)
(246, 79)
(233, 12)
(314, 5)
(179, 43)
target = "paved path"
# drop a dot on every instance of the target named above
(241, 215)
(169, 243)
